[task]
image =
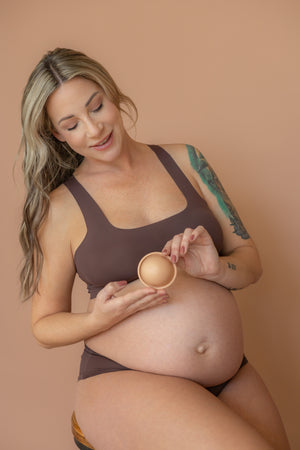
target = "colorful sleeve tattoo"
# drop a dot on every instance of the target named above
(208, 176)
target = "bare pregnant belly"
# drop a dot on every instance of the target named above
(196, 335)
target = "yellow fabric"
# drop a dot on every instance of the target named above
(77, 433)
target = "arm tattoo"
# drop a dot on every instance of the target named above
(208, 176)
(231, 266)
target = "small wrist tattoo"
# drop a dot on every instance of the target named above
(231, 266)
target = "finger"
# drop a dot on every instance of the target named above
(110, 289)
(148, 301)
(151, 303)
(167, 248)
(175, 247)
(141, 295)
(200, 231)
(185, 241)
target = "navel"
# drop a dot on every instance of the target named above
(202, 348)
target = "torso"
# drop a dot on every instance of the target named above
(196, 335)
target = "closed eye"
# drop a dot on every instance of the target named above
(73, 128)
(99, 107)
(94, 111)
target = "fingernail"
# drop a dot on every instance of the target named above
(182, 249)
(122, 282)
(165, 251)
(173, 259)
(192, 237)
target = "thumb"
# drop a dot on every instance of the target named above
(110, 289)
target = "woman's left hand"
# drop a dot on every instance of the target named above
(194, 252)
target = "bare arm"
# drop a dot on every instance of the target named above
(239, 264)
(63, 327)
(53, 323)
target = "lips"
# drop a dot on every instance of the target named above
(100, 143)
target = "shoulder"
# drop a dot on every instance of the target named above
(61, 204)
(60, 214)
(187, 156)
(195, 166)
(61, 198)
(179, 153)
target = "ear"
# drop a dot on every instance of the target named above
(58, 135)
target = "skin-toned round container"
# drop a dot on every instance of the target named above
(156, 270)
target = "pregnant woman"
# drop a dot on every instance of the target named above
(161, 368)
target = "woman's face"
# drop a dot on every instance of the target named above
(83, 116)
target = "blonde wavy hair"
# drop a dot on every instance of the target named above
(48, 162)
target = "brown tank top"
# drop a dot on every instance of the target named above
(108, 253)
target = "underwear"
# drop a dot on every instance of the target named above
(92, 363)
(108, 253)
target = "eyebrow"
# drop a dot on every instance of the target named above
(87, 104)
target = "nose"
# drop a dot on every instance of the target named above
(93, 128)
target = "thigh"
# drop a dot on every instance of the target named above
(141, 411)
(247, 395)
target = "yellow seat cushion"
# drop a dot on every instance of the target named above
(77, 433)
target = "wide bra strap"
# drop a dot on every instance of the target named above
(176, 173)
(91, 210)
(86, 203)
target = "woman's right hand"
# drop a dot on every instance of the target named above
(110, 308)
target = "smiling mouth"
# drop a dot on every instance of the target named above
(103, 142)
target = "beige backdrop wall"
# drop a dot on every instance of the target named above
(221, 75)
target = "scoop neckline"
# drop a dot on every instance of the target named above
(146, 225)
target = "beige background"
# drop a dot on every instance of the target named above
(221, 75)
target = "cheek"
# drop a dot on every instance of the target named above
(115, 115)
(75, 140)
(118, 120)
